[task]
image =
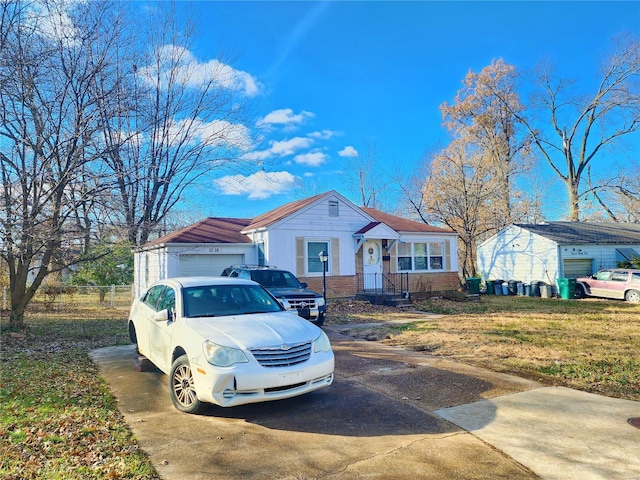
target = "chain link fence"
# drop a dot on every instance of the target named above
(65, 297)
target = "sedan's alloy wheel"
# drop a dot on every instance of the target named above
(183, 390)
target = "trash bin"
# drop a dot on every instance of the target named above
(545, 290)
(567, 288)
(527, 290)
(505, 288)
(497, 285)
(520, 288)
(535, 289)
(490, 288)
(473, 284)
(512, 286)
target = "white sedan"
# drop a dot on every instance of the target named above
(228, 342)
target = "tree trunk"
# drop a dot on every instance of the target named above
(574, 200)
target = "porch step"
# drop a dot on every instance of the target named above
(399, 301)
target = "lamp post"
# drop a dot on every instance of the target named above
(323, 258)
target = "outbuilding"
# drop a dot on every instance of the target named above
(548, 251)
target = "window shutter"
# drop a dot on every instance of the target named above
(393, 259)
(335, 256)
(300, 270)
(447, 255)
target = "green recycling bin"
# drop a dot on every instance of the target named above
(567, 288)
(474, 285)
(490, 287)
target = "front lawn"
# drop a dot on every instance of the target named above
(591, 345)
(58, 419)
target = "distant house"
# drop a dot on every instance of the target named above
(369, 251)
(548, 251)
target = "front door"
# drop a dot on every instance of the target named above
(372, 265)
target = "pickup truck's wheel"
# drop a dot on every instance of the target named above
(182, 388)
(579, 292)
(632, 296)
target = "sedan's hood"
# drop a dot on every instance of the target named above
(255, 330)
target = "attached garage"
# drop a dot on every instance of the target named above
(204, 248)
(207, 264)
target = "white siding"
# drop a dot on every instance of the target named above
(602, 256)
(517, 254)
(164, 262)
(315, 224)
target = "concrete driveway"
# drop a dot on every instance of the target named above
(390, 414)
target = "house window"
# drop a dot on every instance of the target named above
(420, 256)
(314, 265)
(436, 258)
(404, 256)
(333, 208)
(261, 256)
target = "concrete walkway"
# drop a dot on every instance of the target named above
(557, 432)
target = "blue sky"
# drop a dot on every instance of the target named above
(333, 77)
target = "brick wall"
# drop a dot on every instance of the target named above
(419, 283)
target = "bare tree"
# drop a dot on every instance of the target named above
(50, 59)
(364, 177)
(171, 121)
(489, 121)
(582, 128)
(462, 193)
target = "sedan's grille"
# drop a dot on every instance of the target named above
(283, 356)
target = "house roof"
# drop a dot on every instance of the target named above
(209, 230)
(400, 224)
(279, 213)
(582, 233)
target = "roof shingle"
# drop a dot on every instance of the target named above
(209, 230)
(582, 233)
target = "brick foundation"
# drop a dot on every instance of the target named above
(419, 284)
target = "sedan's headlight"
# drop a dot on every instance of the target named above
(322, 344)
(221, 356)
(320, 301)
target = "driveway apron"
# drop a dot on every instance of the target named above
(376, 421)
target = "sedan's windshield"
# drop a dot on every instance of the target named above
(219, 300)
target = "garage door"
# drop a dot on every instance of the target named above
(574, 268)
(191, 265)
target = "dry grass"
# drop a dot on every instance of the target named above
(592, 345)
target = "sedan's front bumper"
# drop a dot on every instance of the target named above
(252, 383)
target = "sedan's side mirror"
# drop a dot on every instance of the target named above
(163, 315)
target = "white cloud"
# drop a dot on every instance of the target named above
(348, 151)
(179, 64)
(258, 186)
(324, 134)
(289, 147)
(285, 116)
(217, 133)
(312, 159)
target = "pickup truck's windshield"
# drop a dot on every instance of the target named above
(221, 300)
(275, 279)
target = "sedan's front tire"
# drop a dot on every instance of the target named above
(182, 388)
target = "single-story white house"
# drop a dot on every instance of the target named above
(552, 250)
(368, 250)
